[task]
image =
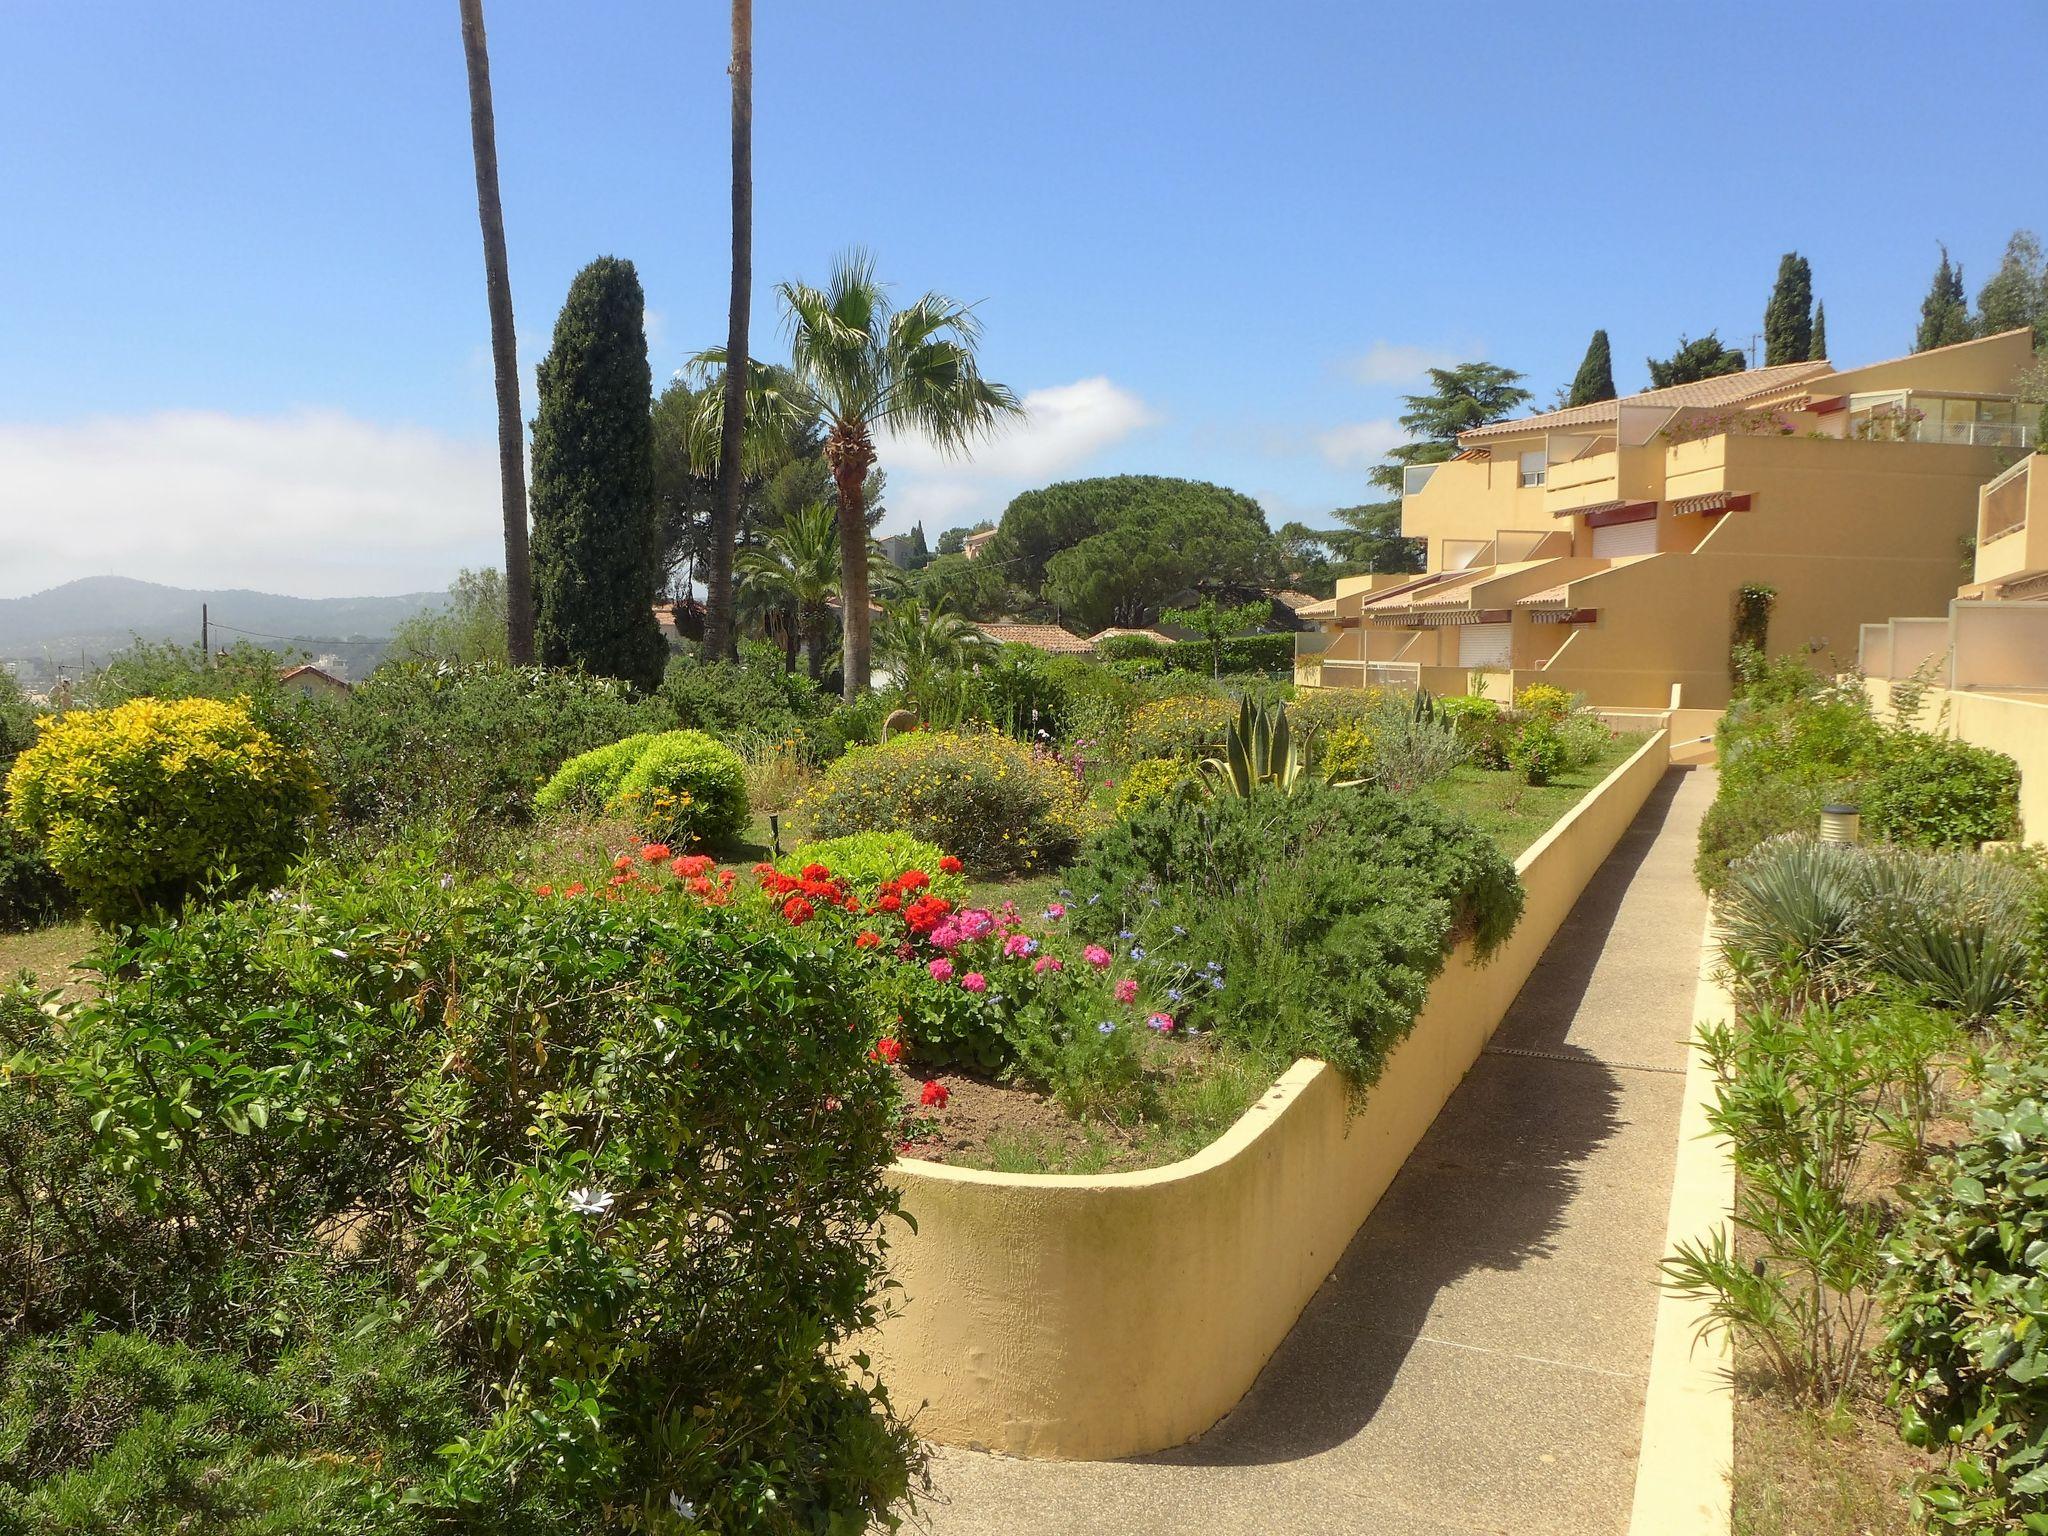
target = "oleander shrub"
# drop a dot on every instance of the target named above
(1537, 751)
(1305, 923)
(993, 802)
(469, 745)
(1185, 726)
(1966, 1293)
(138, 807)
(392, 1206)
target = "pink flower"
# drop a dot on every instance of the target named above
(946, 936)
(1018, 944)
(1096, 956)
(1056, 911)
(974, 981)
(976, 923)
(1163, 1022)
(1127, 990)
(941, 969)
(1046, 963)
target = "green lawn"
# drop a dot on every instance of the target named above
(48, 953)
(1514, 813)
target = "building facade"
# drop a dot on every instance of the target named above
(1603, 548)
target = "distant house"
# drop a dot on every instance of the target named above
(975, 543)
(1117, 632)
(315, 683)
(680, 620)
(1049, 638)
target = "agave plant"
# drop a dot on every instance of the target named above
(1258, 751)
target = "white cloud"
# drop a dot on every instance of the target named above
(1360, 444)
(1064, 426)
(1386, 362)
(313, 503)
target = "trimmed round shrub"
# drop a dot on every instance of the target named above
(1185, 726)
(1538, 751)
(988, 800)
(138, 806)
(864, 860)
(669, 783)
(1931, 792)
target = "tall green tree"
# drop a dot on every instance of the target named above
(2017, 293)
(922, 644)
(595, 546)
(797, 564)
(865, 366)
(1371, 539)
(1217, 622)
(1705, 358)
(1788, 317)
(1945, 312)
(719, 637)
(1467, 396)
(469, 628)
(1595, 379)
(1817, 349)
(490, 212)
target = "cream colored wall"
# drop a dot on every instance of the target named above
(1096, 1317)
(1474, 499)
(1985, 367)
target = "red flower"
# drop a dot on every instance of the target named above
(867, 938)
(654, 853)
(887, 1049)
(700, 887)
(543, 890)
(691, 865)
(934, 1096)
(816, 872)
(764, 869)
(573, 890)
(852, 903)
(923, 914)
(949, 865)
(797, 910)
(890, 903)
(623, 861)
(913, 880)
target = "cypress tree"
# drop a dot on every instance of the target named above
(1595, 379)
(1945, 312)
(2017, 294)
(595, 536)
(1817, 349)
(1788, 318)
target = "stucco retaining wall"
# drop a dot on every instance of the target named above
(1090, 1317)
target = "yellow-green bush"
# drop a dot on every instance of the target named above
(1316, 711)
(1147, 780)
(1188, 725)
(672, 784)
(136, 807)
(1346, 752)
(1545, 701)
(988, 800)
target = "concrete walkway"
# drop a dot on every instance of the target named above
(1476, 1361)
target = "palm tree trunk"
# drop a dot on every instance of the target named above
(725, 518)
(815, 618)
(490, 212)
(849, 453)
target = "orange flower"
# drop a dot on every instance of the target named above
(867, 938)
(623, 861)
(543, 890)
(573, 890)
(654, 853)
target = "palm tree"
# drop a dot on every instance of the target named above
(921, 644)
(490, 212)
(725, 516)
(798, 563)
(869, 367)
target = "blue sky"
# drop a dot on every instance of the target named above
(244, 332)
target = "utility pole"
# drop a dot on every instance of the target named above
(205, 640)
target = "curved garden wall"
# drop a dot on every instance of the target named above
(1089, 1317)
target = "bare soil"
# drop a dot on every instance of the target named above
(1006, 1127)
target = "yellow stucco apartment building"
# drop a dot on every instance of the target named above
(1601, 547)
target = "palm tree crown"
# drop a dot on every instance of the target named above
(798, 565)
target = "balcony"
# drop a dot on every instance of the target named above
(1915, 416)
(2012, 523)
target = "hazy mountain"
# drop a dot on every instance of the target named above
(78, 625)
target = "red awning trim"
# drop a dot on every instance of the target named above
(1614, 512)
(1564, 615)
(1828, 406)
(1710, 504)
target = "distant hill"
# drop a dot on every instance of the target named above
(77, 626)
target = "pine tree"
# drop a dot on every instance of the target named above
(1817, 349)
(1945, 312)
(2017, 294)
(1706, 358)
(1595, 379)
(1788, 317)
(595, 560)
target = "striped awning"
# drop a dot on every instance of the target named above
(1564, 616)
(1606, 508)
(1713, 501)
(1548, 595)
(1444, 617)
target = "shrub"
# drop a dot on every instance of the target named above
(244, 674)
(1317, 711)
(1538, 750)
(1585, 738)
(992, 801)
(1546, 702)
(1309, 923)
(469, 745)
(30, 892)
(589, 780)
(753, 700)
(1930, 792)
(1270, 654)
(1482, 725)
(1186, 726)
(1147, 780)
(1739, 822)
(684, 784)
(1347, 753)
(1411, 749)
(866, 860)
(1966, 1293)
(1953, 926)
(603, 1163)
(138, 806)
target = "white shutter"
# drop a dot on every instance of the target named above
(1486, 645)
(1625, 539)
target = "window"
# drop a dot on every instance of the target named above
(1533, 464)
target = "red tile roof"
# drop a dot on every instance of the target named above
(1044, 637)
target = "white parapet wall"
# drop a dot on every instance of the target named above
(1091, 1317)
